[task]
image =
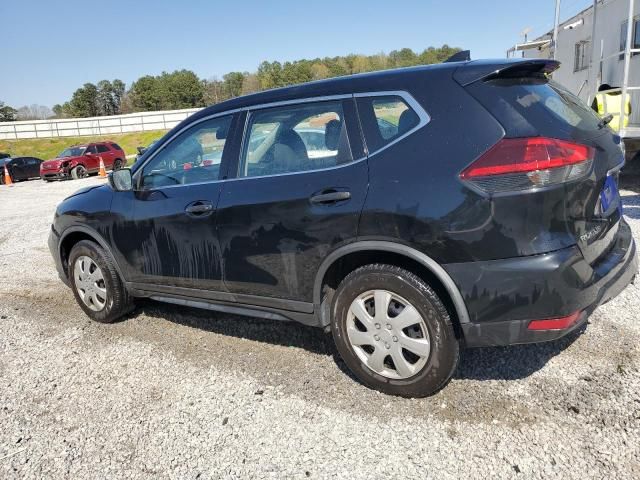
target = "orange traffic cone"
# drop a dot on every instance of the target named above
(102, 172)
(7, 177)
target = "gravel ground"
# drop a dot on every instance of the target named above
(181, 393)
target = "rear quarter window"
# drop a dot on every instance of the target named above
(115, 146)
(385, 119)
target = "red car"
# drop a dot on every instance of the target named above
(82, 160)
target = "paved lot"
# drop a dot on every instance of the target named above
(180, 393)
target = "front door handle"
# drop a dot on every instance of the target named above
(199, 208)
(328, 197)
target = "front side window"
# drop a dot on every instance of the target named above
(91, 149)
(295, 138)
(386, 119)
(194, 156)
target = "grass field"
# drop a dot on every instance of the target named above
(48, 148)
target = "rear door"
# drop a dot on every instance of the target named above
(106, 154)
(291, 203)
(33, 167)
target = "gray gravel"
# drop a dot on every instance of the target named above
(180, 393)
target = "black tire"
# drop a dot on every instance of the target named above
(118, 301)
(443, 357)
(78, 172)
(117, 164)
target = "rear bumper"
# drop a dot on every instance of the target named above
(503, 296)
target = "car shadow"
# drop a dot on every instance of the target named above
(487, 363)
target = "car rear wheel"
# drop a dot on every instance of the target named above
(78, 172)
(96, 284)
(117, 164)
(393, 331)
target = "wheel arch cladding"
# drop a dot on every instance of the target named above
(72, 236)
(344, 260)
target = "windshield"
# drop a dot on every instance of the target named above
(72, 152)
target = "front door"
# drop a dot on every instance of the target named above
(300, 186)
(167, 236)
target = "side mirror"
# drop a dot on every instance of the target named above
(141, 150)
(121, 180)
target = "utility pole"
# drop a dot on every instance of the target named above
(556, 24)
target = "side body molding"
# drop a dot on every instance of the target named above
(373, 245)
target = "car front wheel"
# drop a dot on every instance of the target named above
(393, 331)
(96, 284)
(78, 172)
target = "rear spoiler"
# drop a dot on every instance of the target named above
(492, 69)
(461, 56)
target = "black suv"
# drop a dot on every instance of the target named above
(408, 212)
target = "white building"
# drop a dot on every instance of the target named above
(590, 57)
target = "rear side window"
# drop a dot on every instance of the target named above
(385, 119)
(295, 138)
(533, 106)
(102, 149)
(115, 146)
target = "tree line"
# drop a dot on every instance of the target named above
(184, 89)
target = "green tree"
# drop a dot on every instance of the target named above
(118, 89)
(84, 102)
(233, 83)
(7, 113)
(146, 95)
(105, 98)
(181, 89)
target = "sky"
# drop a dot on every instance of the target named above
(50, 48)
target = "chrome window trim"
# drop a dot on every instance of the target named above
(179, 132)
(283, 103)
(423, 116)
(266, 106)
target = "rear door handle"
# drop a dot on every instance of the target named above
(331, 196)
(199, 208)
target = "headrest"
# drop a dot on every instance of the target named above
(408, 120)
(332, 134)
(222, 132)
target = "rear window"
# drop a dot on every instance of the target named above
(533, 106)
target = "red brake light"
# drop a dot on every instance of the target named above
(523, 163)
(555, 323)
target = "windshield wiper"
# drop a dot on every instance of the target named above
(605, 121)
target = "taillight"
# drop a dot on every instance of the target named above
(516, 164)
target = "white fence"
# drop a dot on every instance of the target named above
(69, 127)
